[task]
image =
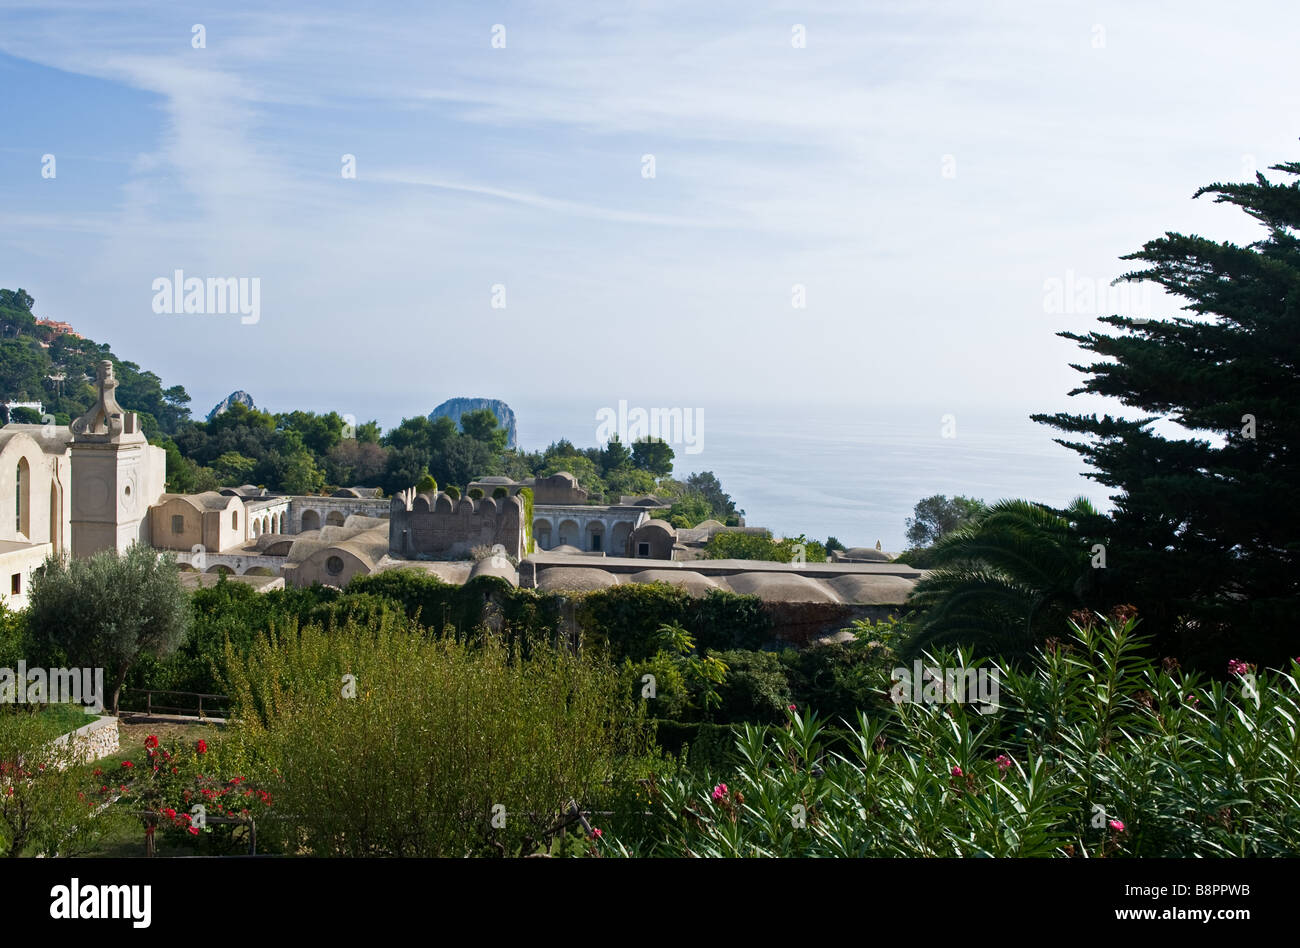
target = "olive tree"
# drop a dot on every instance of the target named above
(106, 610)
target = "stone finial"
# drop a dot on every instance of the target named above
(878, 545)
(105, 420)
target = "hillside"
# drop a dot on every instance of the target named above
(50, 365)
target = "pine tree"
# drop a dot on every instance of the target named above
(1206, 528)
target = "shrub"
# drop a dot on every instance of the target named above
(521, 614)
(755, 688)
(836, 680)
(626, 619)
(476, 493)
(499, 492)
(231, 611)
(433, 740)
(453, 492)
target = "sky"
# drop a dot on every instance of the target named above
(916, 174)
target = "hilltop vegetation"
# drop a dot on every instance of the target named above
(37, 363)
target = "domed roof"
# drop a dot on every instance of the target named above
(864, 589)
(866, 554)
(656, 525)
(694, 583)
(575, 579)
(781, 587)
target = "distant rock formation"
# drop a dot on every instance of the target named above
(454, 408)
(241, 397)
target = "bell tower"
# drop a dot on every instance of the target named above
(116, 474)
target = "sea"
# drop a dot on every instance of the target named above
(846, 472)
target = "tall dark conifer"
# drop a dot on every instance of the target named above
(1206, 532)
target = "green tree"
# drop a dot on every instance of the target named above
(653, 455)
(735, 545)
(707, 485)
(18, 299)
(319, 433)
(301, 475)
(233, 469)
(628, 480)
(936, 516)
(406, 466)
(483, 427)
(1205, 523)
(106, 611)
(615, 456)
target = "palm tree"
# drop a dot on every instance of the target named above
(1009, 579)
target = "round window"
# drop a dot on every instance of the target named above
(334, 565)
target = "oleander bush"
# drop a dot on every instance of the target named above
(1091, 751)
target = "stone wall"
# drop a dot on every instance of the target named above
(434, 525)
(312, 513)
(98, 739)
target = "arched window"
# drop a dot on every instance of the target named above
(234, 520)
(23, 498)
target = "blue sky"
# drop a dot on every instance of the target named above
(1071, 133)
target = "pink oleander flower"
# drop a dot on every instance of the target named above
(719, 791)
(1003, 762)
(1117, 825)
(956, 772)
(793, 707)
(1237, 668)
(595, 831)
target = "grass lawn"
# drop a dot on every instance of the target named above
(67, 716)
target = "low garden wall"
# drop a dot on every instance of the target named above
(99, 738)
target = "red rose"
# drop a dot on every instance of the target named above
(203, 746)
